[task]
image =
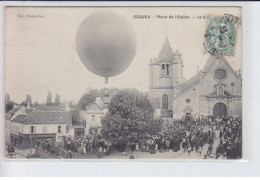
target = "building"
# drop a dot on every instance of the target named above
(94, 113)
(165, 73)
(27, 126)
(215, 90)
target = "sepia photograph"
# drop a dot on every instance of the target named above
(123, 83)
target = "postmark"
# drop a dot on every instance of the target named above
(221, 35)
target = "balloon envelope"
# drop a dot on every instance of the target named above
(106, 43)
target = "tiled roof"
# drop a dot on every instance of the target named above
(29, 110)
(52, 117)
(196, 79)
(166, 52)
(188, 84)
(48, 108)
(10, 113)
(20, 118)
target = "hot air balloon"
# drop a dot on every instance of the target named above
(106, 43)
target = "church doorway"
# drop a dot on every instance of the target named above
(220, 109)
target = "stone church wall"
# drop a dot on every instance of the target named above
(159, 93)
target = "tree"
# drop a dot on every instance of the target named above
(24, 103)
(57, 100)
(105, 91)
(36, 103)
(94, 92)
(86, 100)
(28, 99)
(90, 97)
(8, 103)
(7, 98)
(49, 99)
(129, 118)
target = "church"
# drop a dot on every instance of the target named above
(215, 90)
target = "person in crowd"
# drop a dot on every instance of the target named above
(221, 135)
(131, 156)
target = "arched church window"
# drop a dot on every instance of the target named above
(165, 102)
(163, 66)
(164, 71)
(167, 69)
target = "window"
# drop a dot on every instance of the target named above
(59, 129)
(93, 117)
(188, 101)
(165, 102)
(220, 74)
(167, 69)
(32, 130)
(163, 66)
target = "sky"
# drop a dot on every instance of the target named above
(40, 54)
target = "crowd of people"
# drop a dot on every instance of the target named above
(92, 143)
(186, 135)
(230, 139)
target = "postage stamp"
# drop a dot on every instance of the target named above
(221, 34)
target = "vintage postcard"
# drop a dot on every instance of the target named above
(128, 83)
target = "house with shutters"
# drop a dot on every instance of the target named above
(27, 126)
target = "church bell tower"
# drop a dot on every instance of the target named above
(161, 76)
(165, 73)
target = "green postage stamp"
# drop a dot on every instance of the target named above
(221, 34)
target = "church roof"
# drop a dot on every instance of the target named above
(188, 84)
(210, 62)
(196, 79)
(166, 52)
